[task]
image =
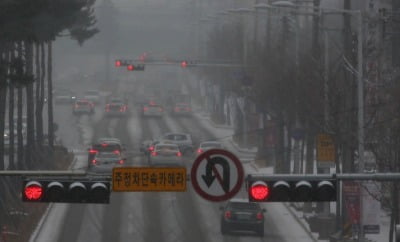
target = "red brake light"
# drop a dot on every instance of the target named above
(104, 145)
(118, 63)
(121, 162)
(199, 151)
(259, 216)
(94, 161)
(145, 108)
(179, 154)
(228, 214)
(259, 192)
(151, 148)
(153, 153)
(33, 192)
(116, 152)
(92, 151)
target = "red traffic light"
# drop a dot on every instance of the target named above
(131, 67)
(259, 191)
(184, 64)
(33, 191)
(118, 63)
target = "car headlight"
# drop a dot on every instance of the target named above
(5, 135)
(73, 97)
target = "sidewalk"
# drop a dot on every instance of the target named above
(226, 132)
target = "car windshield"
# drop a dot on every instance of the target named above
(293, 105)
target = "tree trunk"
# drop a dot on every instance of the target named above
(11, 121)
(30, 141)
(39, 103)
(3, 95)
(20, 138)
(50, 96)
(280, 146)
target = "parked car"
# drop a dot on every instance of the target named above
(208, 145)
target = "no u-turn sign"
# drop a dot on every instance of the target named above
(217, 175)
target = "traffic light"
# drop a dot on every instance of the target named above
(65, 190)
(291, 188)
(135, 67)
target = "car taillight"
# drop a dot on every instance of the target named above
(104, 145)
(94, 162)
(121, 162)
(145, 108)
(153, 153)
(122, 109)
(179, 154)
(199, 151)
(259, 216)
(228, 214)
(116, 152)
(151, 148)
(92, 151)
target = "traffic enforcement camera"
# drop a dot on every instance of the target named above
(291, 188)
(66, 190)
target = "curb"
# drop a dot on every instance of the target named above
(300, 222)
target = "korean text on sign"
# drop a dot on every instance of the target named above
(149, 179)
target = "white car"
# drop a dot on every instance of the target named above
(166, 155)
(208, 145)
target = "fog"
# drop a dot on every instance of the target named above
(159, 28)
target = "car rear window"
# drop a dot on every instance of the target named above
(167, 147)
(243, 205)
(107, 155)
(207, 145)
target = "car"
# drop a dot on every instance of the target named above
(116, 107)
(183, 109)
(64, 96)
(165, 155)
(242, 215)
(208, 145)
(147, 146)
(92, 95)
(183, 140)
(154, 110)
(83, 106)
(106, 144)
(105, 161)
